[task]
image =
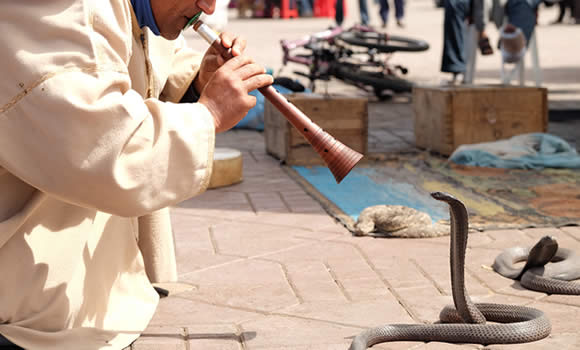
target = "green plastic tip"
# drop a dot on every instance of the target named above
(192, 20)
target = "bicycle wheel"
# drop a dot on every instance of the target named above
(379, 81)
(383, 42)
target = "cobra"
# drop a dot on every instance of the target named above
(516, 324)
(548, 268)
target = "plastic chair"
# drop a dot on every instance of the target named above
(286, 11)
(325, 8)
(506, 75)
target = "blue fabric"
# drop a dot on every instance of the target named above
(529, 151)
(522, 14)
(360, 190)
(453, 60)
(144, 15)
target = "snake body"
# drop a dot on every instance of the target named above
(553, 278)
(517, 324)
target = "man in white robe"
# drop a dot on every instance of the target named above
(92, 136)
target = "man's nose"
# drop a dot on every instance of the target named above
(207, 6)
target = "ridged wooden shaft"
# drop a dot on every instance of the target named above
(339, 158)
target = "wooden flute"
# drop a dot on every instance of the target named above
(339, 158)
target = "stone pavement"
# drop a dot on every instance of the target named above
(267, 268)
(262, 266)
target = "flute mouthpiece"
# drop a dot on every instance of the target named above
(193, 20)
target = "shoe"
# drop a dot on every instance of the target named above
(400, 24)
(384, 25)
(455, 80)
(485, 47)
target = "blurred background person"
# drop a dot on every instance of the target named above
(399, 12)
(563, 5)
(364, 12)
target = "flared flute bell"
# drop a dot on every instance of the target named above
(339, 158)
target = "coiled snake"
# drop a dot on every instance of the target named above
(537, 274)
(518, 324)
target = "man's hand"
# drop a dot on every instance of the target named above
(212, 59)
(225, 86)
(226, 93)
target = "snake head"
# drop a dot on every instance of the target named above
(541, 253)
(443, 196)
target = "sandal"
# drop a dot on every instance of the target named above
(485, 47)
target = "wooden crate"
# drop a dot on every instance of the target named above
(446, 117)
(344, 118)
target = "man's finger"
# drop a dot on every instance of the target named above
(258, 81)
(227, 39)
(249, 70)
(239, 46)
(237, 62)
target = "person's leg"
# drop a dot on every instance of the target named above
(571, 5)
(562, 6)
(522, 14)
(305, 8)
(453, 60)
(364, 13)
(384, 11)
(338, 12)
(399, 11)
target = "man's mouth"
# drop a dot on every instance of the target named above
(191, 20)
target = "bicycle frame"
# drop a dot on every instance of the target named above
(328, 58)
(327, 35)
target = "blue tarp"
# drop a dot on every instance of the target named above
(527, 151)
(358, 191)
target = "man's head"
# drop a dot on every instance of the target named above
(172, 15)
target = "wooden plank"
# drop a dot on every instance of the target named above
(447, 117)
(276, 132)
(432, 118)
(488, 115)
(344, 118)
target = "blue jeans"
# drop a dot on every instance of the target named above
(305, 7)
(364, 12)
(384, 9)
(520, 13)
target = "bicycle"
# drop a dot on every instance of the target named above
(358, 56)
